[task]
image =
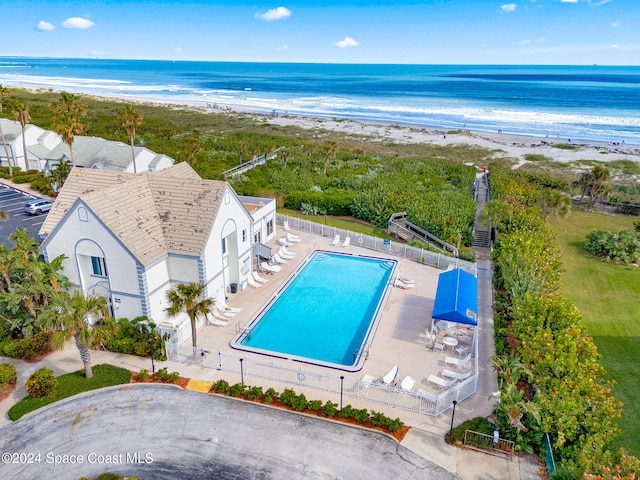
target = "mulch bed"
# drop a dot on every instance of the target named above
(181, 382)
(10, 388)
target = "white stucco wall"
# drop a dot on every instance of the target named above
(81, 235)
(222, 270)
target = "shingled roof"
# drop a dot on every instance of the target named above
(153, 214)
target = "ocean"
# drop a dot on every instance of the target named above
(579, 102)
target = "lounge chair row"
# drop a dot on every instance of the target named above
(458, 362)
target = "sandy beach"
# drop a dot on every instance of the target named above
(505, 144)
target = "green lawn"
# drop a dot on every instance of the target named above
(609, 298)
(72, 384)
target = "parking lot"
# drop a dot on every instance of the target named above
(12, 201)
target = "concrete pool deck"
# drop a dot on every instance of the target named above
(399, 340)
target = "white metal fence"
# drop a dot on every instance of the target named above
(322, 379)
(420, 255)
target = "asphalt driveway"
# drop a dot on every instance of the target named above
(163, 432)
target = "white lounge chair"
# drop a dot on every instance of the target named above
(284, 255)
(293, 238)
(346, 242)
(405, 280)
(279, 259)
(287, 252)
(217, 316)
(460, 376)
(258, 278)
(363, 384)
(439, 382)
(336, 240)
(391, 376)
(407, 383)
(400, 284)
(221, 303)
(283, 242)
(224, 312)
(458, 362)
(253, 283)
(286, 225)
(216, 322)
(270, 268)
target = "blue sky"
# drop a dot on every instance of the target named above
(581, 32)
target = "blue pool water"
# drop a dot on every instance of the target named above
(325, 313)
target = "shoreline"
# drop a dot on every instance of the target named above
(516, 146)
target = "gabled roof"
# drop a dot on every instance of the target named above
(153, 214)
(456, 297)
(95, 152)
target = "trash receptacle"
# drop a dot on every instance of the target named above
(233, 287)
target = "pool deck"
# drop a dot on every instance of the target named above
(399, 340)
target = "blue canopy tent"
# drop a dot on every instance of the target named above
(456, 298)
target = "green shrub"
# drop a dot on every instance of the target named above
(361, 415)
(269, 395)
(32, 347)
(379, 419)
(394, 425)
(315, 405)
(221, 386)
(467, 253)
(42, 383)
(478, 424)
(143, 375)
(12, 349)
(236, 390)
(300, 402)
(330, 409)
(7, 375)
(347, 412)
(254, 393)
(288, 397)
(164, 376)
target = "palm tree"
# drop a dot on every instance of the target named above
(70, 315)
(4, 93)
(22, 115)
(66, 119)
(188, 298)
(130, 118)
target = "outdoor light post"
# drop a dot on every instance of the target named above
(153, 365)
(453, 414)
(241, 372)
(341, 383)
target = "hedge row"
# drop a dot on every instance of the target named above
(571, 400)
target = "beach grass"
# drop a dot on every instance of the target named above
(608, 296)
(537, 157)
(565, 146)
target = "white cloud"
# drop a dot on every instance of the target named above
(524, 42)
(508, 7)
(568, 1)
(284, 47)
(601, 2)
(615, 24)
(274, 14)
(615, 45)
(177, 49)
(347, 42)
(78, 23)
(528, 41)
(45, 26)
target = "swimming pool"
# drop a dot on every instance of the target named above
(324, 313)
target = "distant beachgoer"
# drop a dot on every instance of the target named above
(547, 134)
(444, 136)
(558, 134)
(569, 140)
